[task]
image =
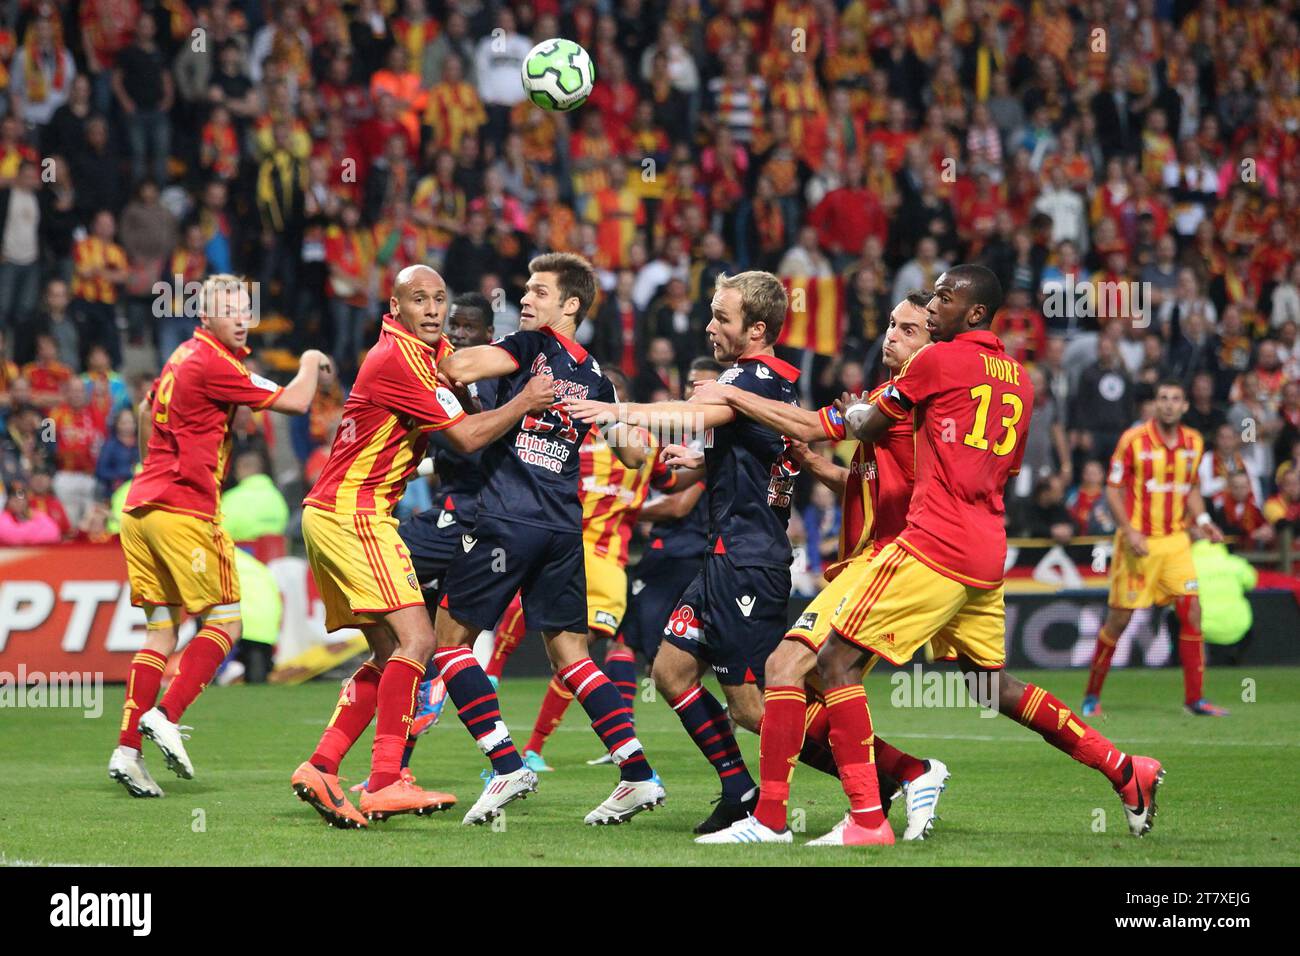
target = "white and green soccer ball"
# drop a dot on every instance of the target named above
(558, 75)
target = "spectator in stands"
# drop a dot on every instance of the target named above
(660, 378)
(119, 454)
(1087, 502)
(1046, 449)
(78, 436)
(1104, 405)
(41, 498)
(148, 233)
(1241, 514)
(1223, 460)
(20, 525)
(1282, 510)
(20, 245)
(145, 93)
(1045, 514)
(46, 374)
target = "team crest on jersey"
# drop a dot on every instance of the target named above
(807, 621)
(412, 580)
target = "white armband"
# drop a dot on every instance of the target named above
(856, 415)
(1203, 519)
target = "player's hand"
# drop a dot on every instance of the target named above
(539, 393)
(1213, 532)
(800, 451)
(1137, 542)
(679, 456)
(711, 393)
(591, 412)
(315, 357)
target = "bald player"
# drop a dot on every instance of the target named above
(361, 567)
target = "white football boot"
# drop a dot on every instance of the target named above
(748, 830)
(127, 768)
(922, 795)
(629, 798)
(500, 789)
(170, 739)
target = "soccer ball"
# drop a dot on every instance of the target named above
(558, 75)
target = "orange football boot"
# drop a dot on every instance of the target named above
(323, 792)
(404, 797)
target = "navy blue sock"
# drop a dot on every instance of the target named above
(707, 723)
(477, 706)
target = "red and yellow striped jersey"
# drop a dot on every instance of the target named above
(878, 488)
(1156, 478)
(395, 403)
(194, 402)
(612, 494)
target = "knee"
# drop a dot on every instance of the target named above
(670, 682)
(789, 665)
(834, 667)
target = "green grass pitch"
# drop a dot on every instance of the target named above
(1011, 800)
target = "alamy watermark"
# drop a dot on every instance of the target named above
(933, 689)
(82, 690)
(1099, 300)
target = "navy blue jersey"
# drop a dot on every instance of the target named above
(751, 474)
(461, 476)
(533, 470)
(684, 537)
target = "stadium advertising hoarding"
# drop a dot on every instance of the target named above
(68, 608)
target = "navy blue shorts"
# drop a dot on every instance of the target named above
(503, 557)
(654, 586)
(433, 538)
(732, 618)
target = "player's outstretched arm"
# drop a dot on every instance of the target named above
(628, 444)
(478, 431)
(833, 476)
(678, 418)
(298, 394)
(476, 363)
(673, 506)
(789, 420)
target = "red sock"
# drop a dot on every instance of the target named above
(1041, 712)
(394, 709)
(352, 715)
(903, 767)
(142, 686)
(1191, 651)
(816, 752)
(509, 633)
(549, 715)
(1101, 656)
(851, 742)
(200, 661)
(780, 740)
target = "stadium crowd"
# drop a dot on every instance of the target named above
(1149, 147)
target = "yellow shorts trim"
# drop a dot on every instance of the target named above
(606, 593)
(178, 560)
(361, 567)
(1166, 572)
(899, 604)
